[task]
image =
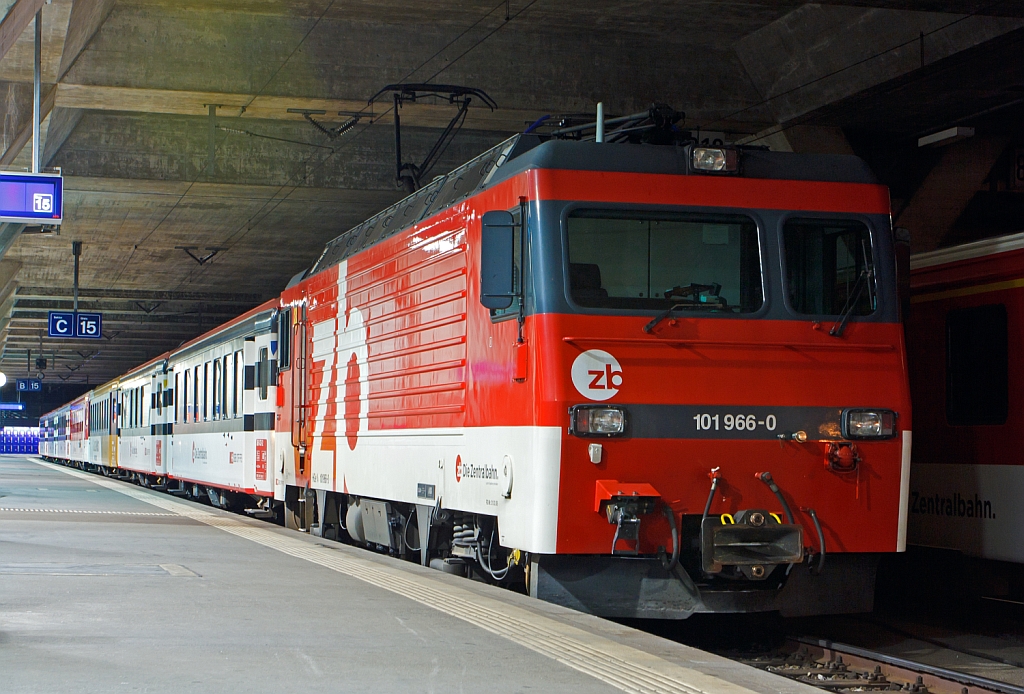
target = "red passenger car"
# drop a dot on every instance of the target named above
(965, 341)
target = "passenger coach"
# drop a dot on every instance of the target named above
(640, 381)
(965, 342)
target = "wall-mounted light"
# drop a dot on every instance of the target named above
(945, 137)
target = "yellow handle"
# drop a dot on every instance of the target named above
(729, 516)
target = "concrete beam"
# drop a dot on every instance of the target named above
(136, 294)
(21, 14)
(62, 123)
(9, 269)
(25, 133)
(9, 233)
(232, 105)
(819, 54)
(17, 64)
(949, 186)
(87, 16)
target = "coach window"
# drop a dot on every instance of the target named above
(206, 391)
(224, 390)
(655, 261)
(216, 389)
(225, 386)
(239, 382)
(977, 366)
(195, 394)
(263, 371)
(185, 404)
(159, 398)
(829, 268)
(231, 367)
(284, 339)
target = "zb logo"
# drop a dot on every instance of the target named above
(596, 374)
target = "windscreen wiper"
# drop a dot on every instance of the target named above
(660, 317)
(693, 297)
(851, 303)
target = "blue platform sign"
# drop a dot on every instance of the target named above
(81, 325)
(31, 198)
(29, 385)
(89, 325)
(61, 324)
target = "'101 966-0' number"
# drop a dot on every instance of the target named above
(731, 422)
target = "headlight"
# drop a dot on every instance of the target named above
(715, 159)
(869, 424)
(597, 420)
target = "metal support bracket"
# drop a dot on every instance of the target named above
(201, 259)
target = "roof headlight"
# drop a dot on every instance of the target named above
(597, 420)
(714, 159)
(869, 424)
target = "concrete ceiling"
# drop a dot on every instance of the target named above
(129, 85)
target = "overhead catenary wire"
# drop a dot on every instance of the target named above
(238, 234)
(255, 96)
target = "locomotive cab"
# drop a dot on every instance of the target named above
(723, 353)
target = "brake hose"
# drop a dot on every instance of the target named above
(821, 537)
(671, 563)
(766, 477)
(486, 563)
(711, 497)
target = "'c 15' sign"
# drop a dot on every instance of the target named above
(81, 325)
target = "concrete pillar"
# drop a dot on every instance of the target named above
(943, 195)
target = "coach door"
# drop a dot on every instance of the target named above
(300, 419)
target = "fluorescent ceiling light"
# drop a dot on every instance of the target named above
(945, 137)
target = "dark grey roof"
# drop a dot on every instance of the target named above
(523, 152)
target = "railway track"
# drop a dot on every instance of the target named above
(840, 667)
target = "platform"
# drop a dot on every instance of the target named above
(106, 586)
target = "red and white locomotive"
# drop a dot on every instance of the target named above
(644, 381)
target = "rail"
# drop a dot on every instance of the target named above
(839, 667)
